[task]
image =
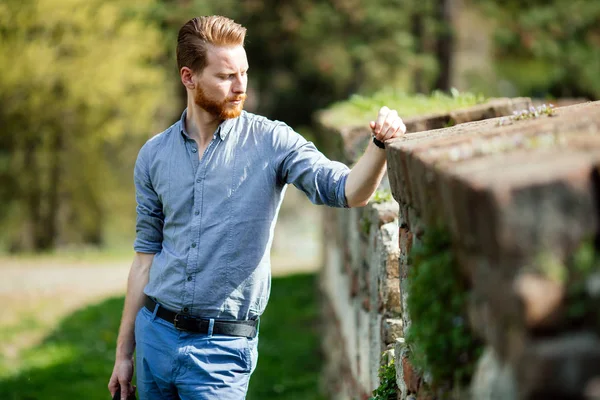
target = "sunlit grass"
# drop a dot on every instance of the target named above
(359, 110)
(73, 357)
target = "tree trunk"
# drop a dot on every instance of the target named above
(418, 34)
(444, 43)
(33, 197)
(48, 223)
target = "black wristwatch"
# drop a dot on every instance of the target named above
(378, 143)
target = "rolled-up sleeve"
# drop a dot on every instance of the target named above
(300, 163)
(150, 218)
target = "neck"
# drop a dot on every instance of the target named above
(200, 125)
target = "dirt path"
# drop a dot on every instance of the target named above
(55, 287)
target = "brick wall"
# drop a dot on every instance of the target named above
(517, 198)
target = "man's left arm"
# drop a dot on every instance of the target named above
(366, 175)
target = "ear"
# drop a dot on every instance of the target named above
(188, 78)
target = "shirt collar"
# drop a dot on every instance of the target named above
(223, 129)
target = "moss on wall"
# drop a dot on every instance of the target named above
(439, 337)
(583, 287)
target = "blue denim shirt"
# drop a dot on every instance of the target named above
(210, 221)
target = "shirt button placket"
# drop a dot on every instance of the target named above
(195, 231)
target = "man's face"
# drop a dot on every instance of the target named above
(221, 86)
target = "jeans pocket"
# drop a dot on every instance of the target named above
(232, 351)
(252, 352)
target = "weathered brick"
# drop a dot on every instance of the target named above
(412, 379)
(400, 352)
(492, 109)
(572, 360)
(392, 330)
(523, 202)
(493, 379)
(404, 244)
(543, 300)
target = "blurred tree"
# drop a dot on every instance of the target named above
(79, 79)
(548, 47)
(306, 54)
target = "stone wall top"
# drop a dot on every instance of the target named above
(504, 188)
(348, 143)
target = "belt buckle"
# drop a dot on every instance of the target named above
(176, 322)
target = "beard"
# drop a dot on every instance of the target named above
(222, 110)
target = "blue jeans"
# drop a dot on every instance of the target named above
(174, 364)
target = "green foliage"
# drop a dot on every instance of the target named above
(382, 196)
(388, 389)
(582, 306)
(439, 336)
(359, 110)
(80, 82)
(548, 48)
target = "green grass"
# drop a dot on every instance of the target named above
(76, 359)
(359, 110)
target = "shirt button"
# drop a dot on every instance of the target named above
(198, 180)
(193, 244)
(194, 150)
(189, 278)
(196, 212)
(185, 309)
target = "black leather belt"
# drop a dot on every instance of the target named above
(185, 322)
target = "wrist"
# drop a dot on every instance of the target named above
(378, 143)
(124, 357)
(125, 351)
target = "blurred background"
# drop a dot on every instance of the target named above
(84, 83)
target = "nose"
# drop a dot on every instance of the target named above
(239, 85)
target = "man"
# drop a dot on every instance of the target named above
(208, 191)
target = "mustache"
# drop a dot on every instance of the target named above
(237, 98)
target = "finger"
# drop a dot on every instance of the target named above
(124, 391)
(113, 384)
(394, 129)
(372, 126)
(402, 128)
(388, 126)
(381, 119)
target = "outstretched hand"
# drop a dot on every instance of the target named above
(388, 125)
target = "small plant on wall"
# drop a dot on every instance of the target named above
(388, 389)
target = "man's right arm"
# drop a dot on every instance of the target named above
(148, 242)
(134, 300)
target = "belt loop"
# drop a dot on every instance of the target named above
(211, 325)
(155, 311)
